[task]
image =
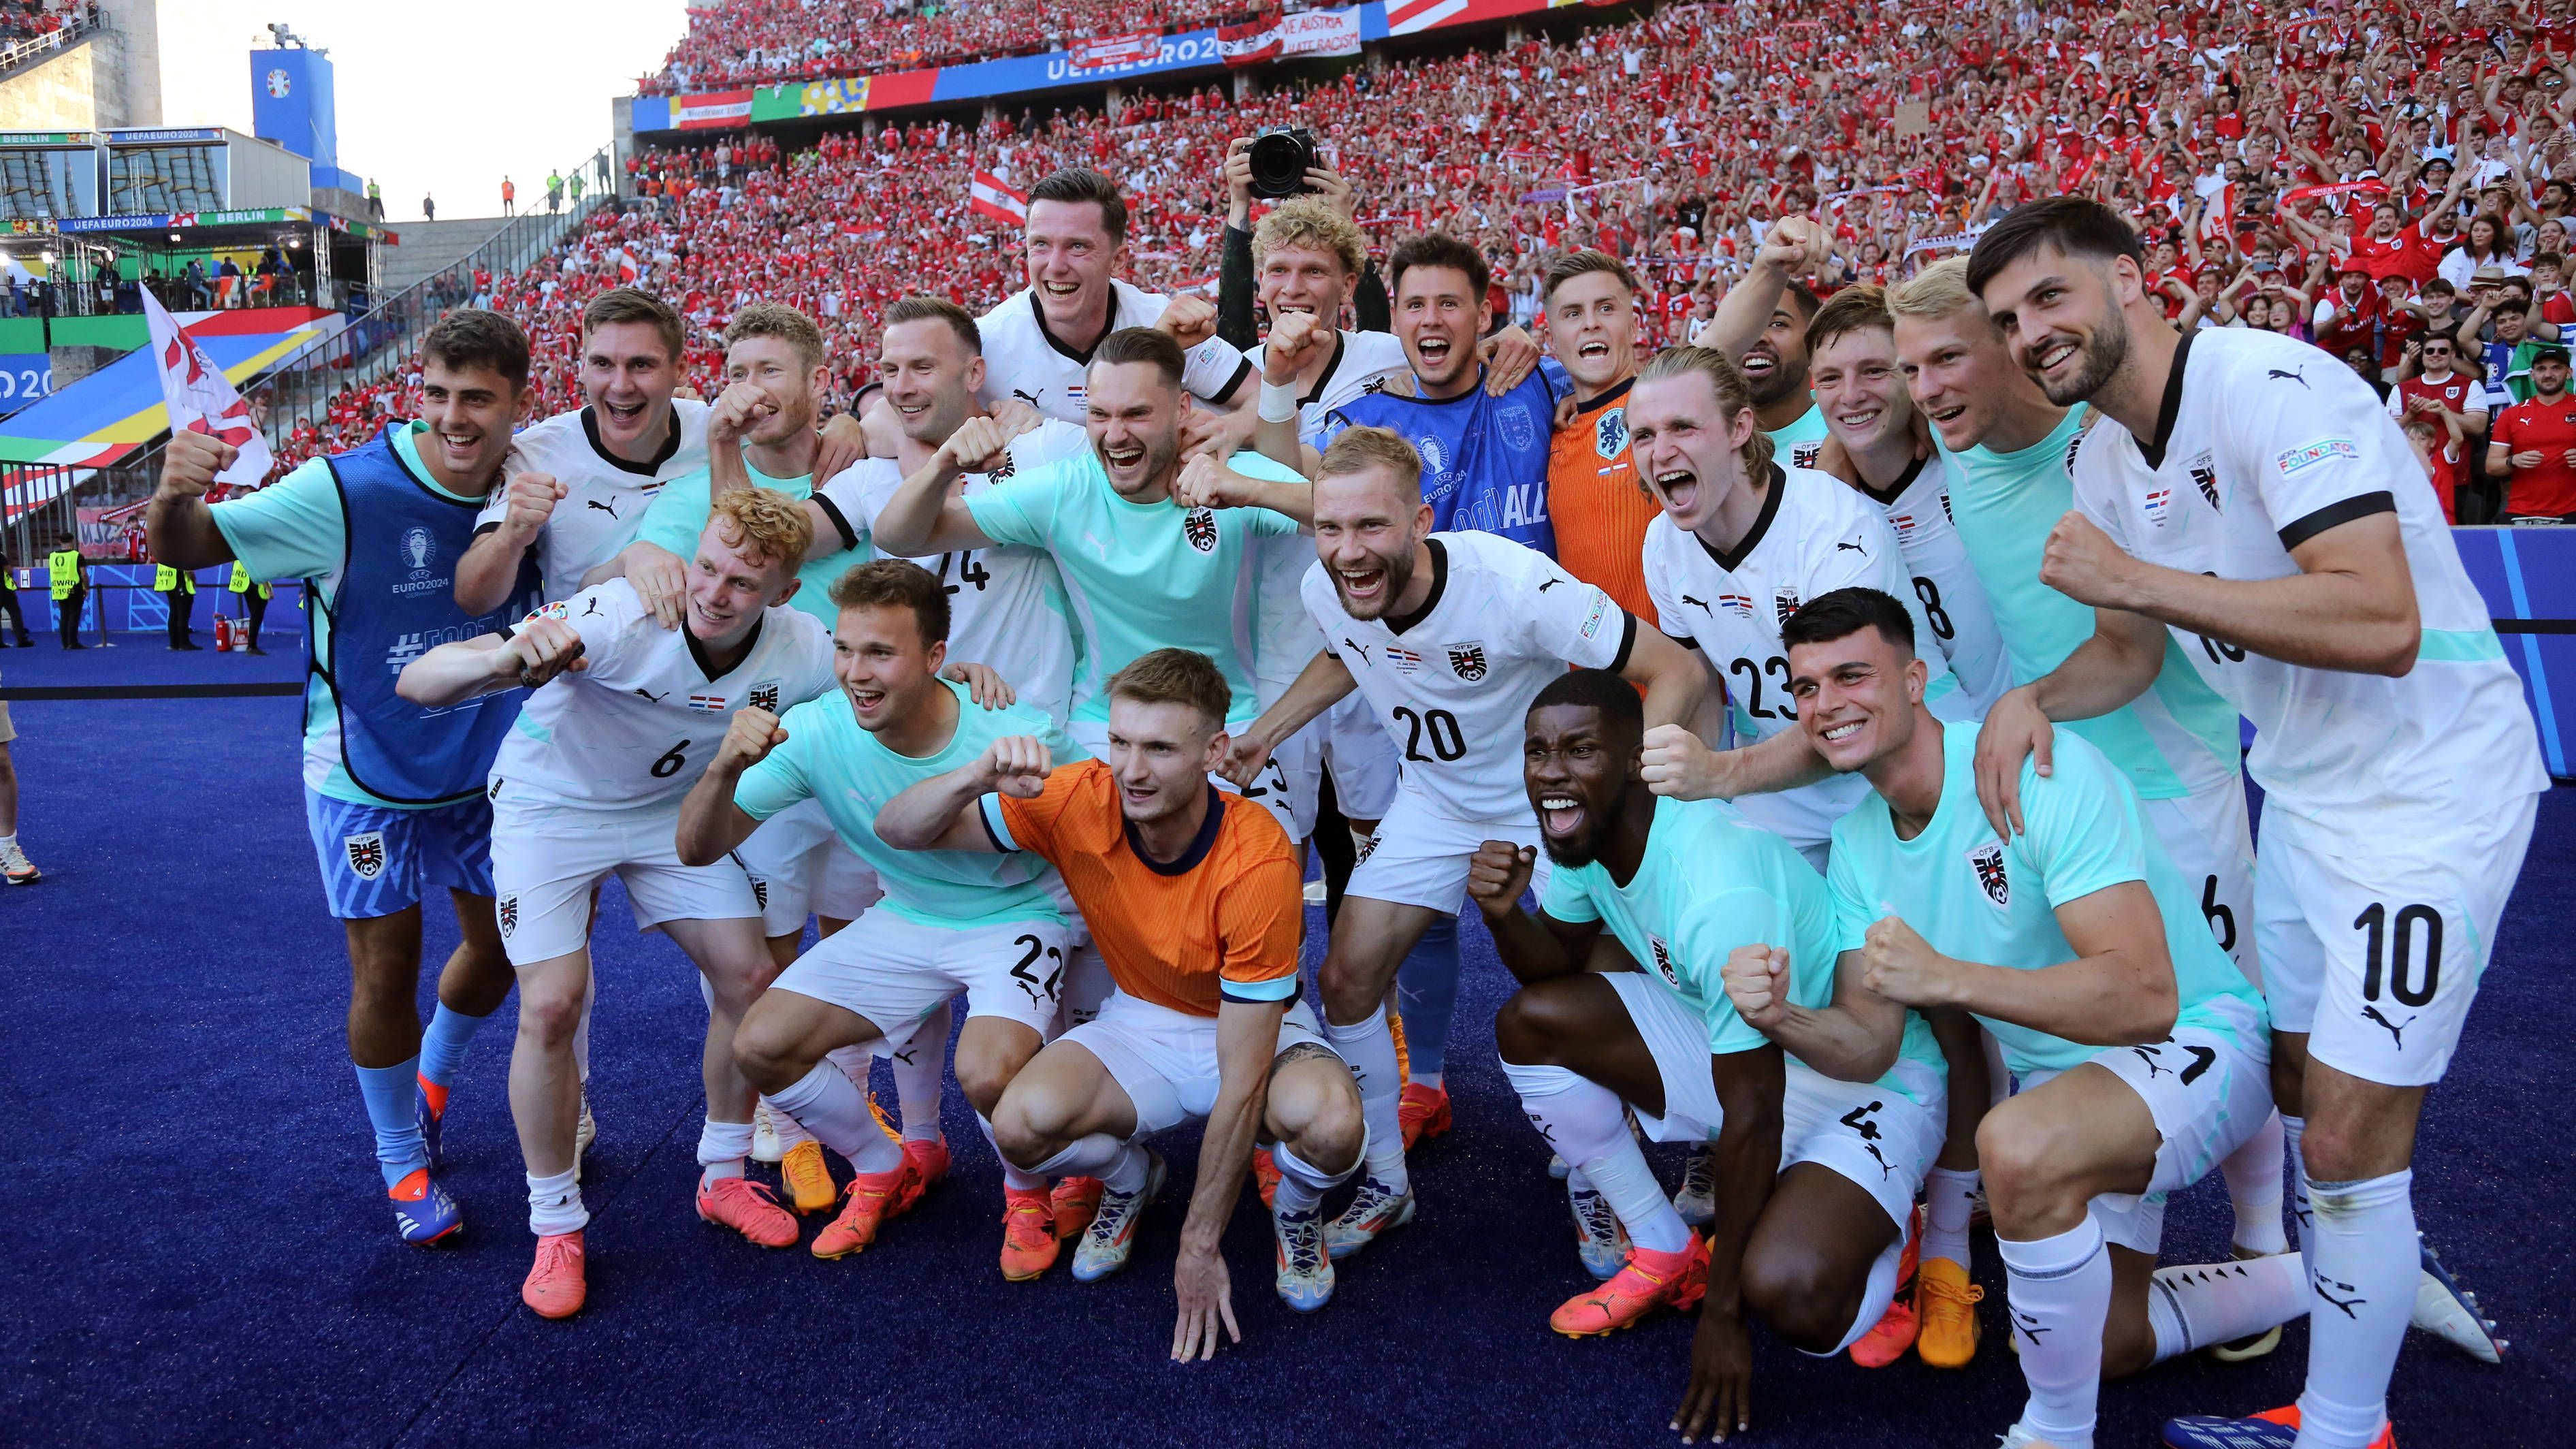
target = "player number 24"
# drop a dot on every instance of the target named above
(970, 570)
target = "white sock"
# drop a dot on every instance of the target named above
(554, 1204)
(1086, 984)
(1128, 1173)
(7, 840)
(1094, 1156)
(2194, 1306)
(1014, 1179)
(1369, 1050)
(826, 1103)
(784, 1126)
(2253, 1173)
(1302, 1184)
(2363, 1294)
(2292, 1129)
(2061, 1292)
(722, 1146)
(1949, 1200)
(918, 1069)
(1584, 1121)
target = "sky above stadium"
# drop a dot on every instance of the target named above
(445, 100)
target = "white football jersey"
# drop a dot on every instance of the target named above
(1006, 605)
(2265, 443)
(1945, 583)
(636, 726)
(1454, 684)
(1814, 535)
(1285, 637)
(1024, 360)
(604, 495)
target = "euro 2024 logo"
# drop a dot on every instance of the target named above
(419, 548)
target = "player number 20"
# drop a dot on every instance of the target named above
(2389, 951)
(1439, 728)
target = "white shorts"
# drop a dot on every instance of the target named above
(799, 867)
(895, 970)
(2378, 958)
(1419, 857)
(1165, 1060)
(546, 860)
(2207, 1091)
(1883, 1141)
(1270, 787)
(2210, 840)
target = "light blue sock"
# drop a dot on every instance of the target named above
(1426, 993)
(442, 1045)
(391, 1094)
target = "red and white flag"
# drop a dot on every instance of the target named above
(1134, 48)
(201, 399)
(993, 201)
(1251, 43)
(1404, 17)
(717, 110)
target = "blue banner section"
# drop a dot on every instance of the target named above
(24, 377)
(2528, 578)
(123, 595)
(649, 113)
(1192, 50)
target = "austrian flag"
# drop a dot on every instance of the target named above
(200, 399)
(996, 202)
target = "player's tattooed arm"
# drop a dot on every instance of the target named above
(710, 823)
(2117, 991)
(925, 514)
(1247, 1037)
(2106, 671)
(1853, 1039)
(491, 563)
(945, 812)
(1317, 688)
(1533, 948)
(528, 656)
(1746, 1157)
(179, 525)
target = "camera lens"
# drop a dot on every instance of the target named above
(1279, 162)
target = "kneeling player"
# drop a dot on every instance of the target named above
(587, 785)
(1192, 897)
(949, 922)
(2140, 1048)
(1683, 885)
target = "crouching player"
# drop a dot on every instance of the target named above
(1193, 899)
(949, 922)
(1683, 884)
(2141, 1050)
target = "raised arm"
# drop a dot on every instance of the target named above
(1317, 688)
(1855, 1038)
(1673, 679)
(2117, 991)
(528, 657)
(491, 562)
(1533, 948)
(1787, 249)
(942, 812)
(924, 515)
(711, 824)
(178, 525)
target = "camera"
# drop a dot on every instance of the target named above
(1281, 156)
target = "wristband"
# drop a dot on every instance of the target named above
(1278, 404)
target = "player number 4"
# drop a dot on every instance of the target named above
(2390, 952)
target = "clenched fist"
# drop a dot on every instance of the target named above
(748, 740)
(1497, 875)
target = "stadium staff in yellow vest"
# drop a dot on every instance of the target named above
(178, 589)
(70, 578)
(9, 610)
(254, 597)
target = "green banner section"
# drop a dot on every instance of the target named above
(21, 335)
(123, 333)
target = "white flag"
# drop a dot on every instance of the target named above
(201, 399)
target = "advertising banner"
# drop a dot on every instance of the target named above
(1128, 49)
(718, 110)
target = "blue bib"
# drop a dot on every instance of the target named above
(1484, 459)
(396, 602)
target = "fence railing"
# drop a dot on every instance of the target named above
(19, 52)
(41, 503)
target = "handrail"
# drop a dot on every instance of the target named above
(81, 25)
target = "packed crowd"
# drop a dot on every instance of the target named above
(760, 42)
(27, 19)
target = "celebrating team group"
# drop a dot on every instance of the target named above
(1855, 700)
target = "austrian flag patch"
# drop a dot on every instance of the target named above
(711, 703)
